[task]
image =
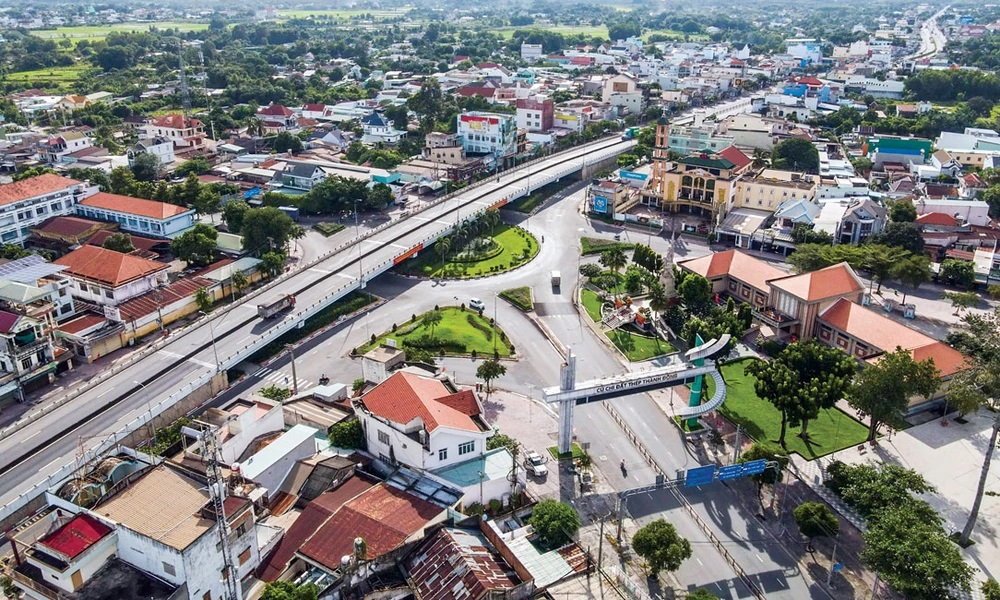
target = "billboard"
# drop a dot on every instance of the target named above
(632, 175)
(601, 204)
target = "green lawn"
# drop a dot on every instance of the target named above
(519, 297)
(600, 31)
(515, 242)
(639, 347)
(54, 76)
(592, 304)
(340, 14)
(833, 430)
(589, 245)
(99, 32)
(575, 452)
(455, 333)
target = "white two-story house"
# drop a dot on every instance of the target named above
(421, 422)
(136, 215)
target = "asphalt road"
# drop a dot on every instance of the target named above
(537, 367)
(38, 449)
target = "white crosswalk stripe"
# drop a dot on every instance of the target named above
(281, 378)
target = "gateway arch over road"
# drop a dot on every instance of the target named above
(569, 393)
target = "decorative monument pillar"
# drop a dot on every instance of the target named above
(567, 382)
(699, 382)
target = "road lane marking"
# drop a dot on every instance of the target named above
(31, 436)
(55, 460)
(201, 363)
(759, 558)
(318, 270)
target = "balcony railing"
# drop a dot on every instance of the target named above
(772, 316)
(21, 351)
(38, 587)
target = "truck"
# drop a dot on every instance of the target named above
(291, 211)
(275, 306)
(630, 133)
(556, 278)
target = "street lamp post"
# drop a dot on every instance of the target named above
(295, 380)
(215, 349)
(149, 409)
(357, 231)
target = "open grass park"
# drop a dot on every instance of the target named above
(634, 346)
(460, 332)
(99, 32)
(341, 15)
(506, 248)
(833, 430)
(62, 77)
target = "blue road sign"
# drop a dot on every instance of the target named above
(838, 567)
(730, 472)
(699, 476)
(754, 467)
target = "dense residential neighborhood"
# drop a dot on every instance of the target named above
(386, 300)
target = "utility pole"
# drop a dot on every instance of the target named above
(295, 380)
(736, 444)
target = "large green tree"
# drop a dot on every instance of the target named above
(873, 489)
(915, 557)
(286, 590)
(146, 166)
(695, 293)
(815, 519)
(119, 242)
(902, 235)
(233, 213)
(796, 154)
(805, 378)
(266, 229)
(661, 546)
(773, 474)
(196, 246)
(555, 522)
(882, 390)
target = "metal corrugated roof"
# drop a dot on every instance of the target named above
(28, 269)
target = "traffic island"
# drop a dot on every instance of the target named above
(474, 252)
(454, 331)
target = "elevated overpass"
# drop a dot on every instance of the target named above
(42, 449)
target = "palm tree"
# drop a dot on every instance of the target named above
(239, 281)
(761, 158)
(614, 259)
(491, 218)
(658, 296)
(442, 247)
(255, 127)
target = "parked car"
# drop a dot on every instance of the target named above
(535, 464)
(476, 304)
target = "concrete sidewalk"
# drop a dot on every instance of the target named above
(950, 457)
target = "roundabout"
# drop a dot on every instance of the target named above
(477, 248)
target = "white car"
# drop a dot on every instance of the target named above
(476, 304)
(535, 464)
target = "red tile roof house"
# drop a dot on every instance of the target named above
(420, 422)
(386, 518)
(108, 278)
(184, 132)
(135, 215)
(824, 304)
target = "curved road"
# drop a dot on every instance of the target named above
(38, 452)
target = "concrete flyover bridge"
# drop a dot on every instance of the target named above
(41, 449)
(570, 393)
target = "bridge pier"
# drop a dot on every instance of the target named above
(567, 382)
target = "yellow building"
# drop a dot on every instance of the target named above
(767, 190)
(701, 184)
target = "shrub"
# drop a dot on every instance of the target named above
(485, 330)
